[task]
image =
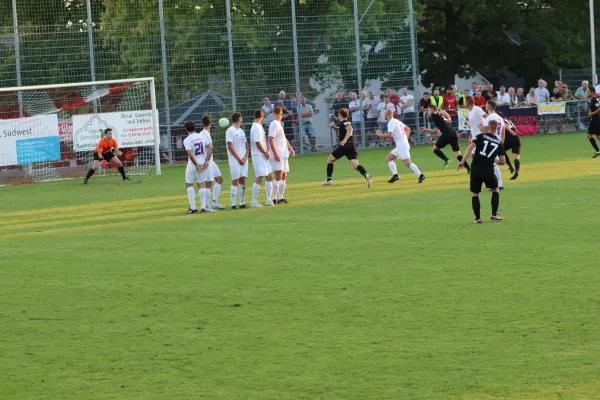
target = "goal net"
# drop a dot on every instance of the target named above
(49, 132)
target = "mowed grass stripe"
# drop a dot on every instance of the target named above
(310, 193)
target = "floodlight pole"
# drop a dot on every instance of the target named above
(17, 55)
(593, 40)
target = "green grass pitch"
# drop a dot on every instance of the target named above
(108, 291)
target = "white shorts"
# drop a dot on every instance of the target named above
(402, 152)
(262, 166)
(283, 165)
(215, 169)
(193, 175)
(238, 171)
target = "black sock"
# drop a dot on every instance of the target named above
(329, 171)
(594, 145)
(440, 154)
(509, 163)
(476, 206)
(122, 171)
(90, 173)
(466, 164)
(362, 170)
(517, 165)
(495, 202)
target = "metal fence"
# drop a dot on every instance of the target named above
(216, 57)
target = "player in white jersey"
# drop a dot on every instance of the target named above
(199, 151)
(280, 150)
(400, 133)
(260, 159)
(492, 116)
(476, 117)
(214, 168)
(238, 152)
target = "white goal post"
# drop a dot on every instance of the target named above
(49, 132)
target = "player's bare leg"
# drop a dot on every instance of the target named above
(356, 165)
(115, 160)
(92, 171)
(389, 159)
(517, 158)
(330, 160)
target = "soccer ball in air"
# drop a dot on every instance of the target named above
(223, 122)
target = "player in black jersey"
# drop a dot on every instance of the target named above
(594, 112)
(346, 148)
(512, 142)
(443, 125)
(485, 147)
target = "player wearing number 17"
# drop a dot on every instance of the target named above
(485, 148)
(104, 151)
(199, 151)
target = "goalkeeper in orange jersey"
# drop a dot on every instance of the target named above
(104, 152)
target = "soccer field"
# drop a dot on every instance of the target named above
(109, 291)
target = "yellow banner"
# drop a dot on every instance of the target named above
(551, 108)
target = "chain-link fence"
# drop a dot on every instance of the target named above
(221, 56)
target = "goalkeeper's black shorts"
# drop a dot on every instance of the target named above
(107, 156)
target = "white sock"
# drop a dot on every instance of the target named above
(414, 169)
(192, 197)
(242, 194)
(269, 188)
(275, 190)
(281, 190)
(206, 198)
(393, 168)
(233, 194)
(498, 175)
(201, 194)
(255, 189)
(216, 193)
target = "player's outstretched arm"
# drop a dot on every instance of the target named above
(434, 131)
(383, 135)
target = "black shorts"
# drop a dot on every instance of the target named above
(594, 128)
(512, 143)
(107, 156)
(445, 140)
(478, 178)
(349, 150)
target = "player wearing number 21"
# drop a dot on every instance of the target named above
(199, 151)
(486, 147)
(104, 151)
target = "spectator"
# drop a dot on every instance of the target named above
(305, 113)
(541, 91)
(512, 96)
(337, 105)
(268, 110)
(450, 105)
(371, 104)
(384, 104)
(488, 94)
(462, 102)
(521, 98)
(436, 99)
(532, 97)
(582, 92)
(408, 102)
(557, 96)
(479, 100)
(567, 95)
(394, 99)
(287, 119)
(473, 89)
(503, 97)
(355, 112)
(423, 105)
(480, 87)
